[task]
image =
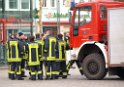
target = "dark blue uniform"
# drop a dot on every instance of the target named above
(23, 58)
(61, 59)
(49, 48)
(14, 58)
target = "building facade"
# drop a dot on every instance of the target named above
(18, 10)
(55, 15)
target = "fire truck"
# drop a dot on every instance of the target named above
(97, 37)
(2, 31)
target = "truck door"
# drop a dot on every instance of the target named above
(1, 35)
(82, 27)
(103, 24)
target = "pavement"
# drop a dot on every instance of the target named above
(74, 80)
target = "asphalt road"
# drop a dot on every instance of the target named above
(74, 80)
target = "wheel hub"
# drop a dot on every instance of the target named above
(93, 67)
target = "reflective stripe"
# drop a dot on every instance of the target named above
(48, 73)
(9, 68)
(45, 50)
(51, 55)
(33, 73)
(13, 56)
(61, 47)
(51, 58)
(32, 62)
(18, 73)
(25, 56)
(42, 49)
(39, 72)
(67, 68)
(12, 72)
(64, 73)
(55, 72)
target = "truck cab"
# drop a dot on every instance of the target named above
(89, 36)
(89, 22)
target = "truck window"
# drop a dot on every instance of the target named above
(83, 15)
(103, 12)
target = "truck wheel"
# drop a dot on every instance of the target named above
(94, 67)
(121, 73)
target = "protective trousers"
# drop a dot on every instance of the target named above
(63, 70)
(16, 69)
(51, 71)
(9, 70)
(35, 70)
(41, 68)
(78, 63)
(23, 68)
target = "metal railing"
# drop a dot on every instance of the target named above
(3, 55)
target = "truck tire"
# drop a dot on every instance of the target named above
(121, 73)
(94, 67)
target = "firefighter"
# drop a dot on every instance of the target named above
(71, 62)
(60, 55)
(26, 41)
(78, 63)
(14, 50)
(49, 48)
(11, 37)
(21, 39)
(41, 50)
(33, 59)
(67, 38)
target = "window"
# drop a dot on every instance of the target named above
(24, 4)
(13, 4)
(52, 3)
(0, 4)
(44, 3)
(83, 15)
(103, 12)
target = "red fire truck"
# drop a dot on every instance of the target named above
(2, 31)
(97, 37)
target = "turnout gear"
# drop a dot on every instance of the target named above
(14, 58)
(9, 63)
(13, 52)
(34, 61)
(67, 38)
(23, 59)
(61, 60)
(51, 49)
(41, 50)
(50, 43)
(78, 63)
